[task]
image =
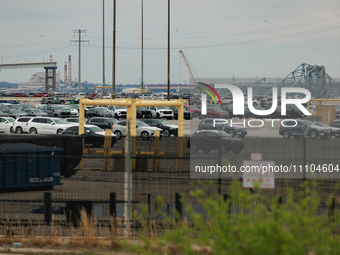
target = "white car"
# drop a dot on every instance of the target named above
(6, 124)
(161, 112)
(226, 100)
(142, 129)
(117, 111)
(254, 101)
(74, 112)
(45, 125)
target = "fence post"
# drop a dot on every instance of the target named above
(225, 199)
(178, 205)
(113, 204)
(48, 208)
(155, 162)
(107, 147)
(330, 209)
(113, 209)
(149, 205)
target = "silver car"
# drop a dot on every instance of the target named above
(142, 129)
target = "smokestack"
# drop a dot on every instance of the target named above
(69, 70)
(51, 58)
(65, 73)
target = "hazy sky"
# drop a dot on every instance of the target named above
(219, 38)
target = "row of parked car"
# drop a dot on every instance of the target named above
(313, 130)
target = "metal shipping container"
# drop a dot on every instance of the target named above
(29, 165)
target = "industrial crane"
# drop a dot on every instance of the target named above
(188, 68)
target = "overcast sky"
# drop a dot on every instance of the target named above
(219, 38)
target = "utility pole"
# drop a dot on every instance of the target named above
(103, 45)
(114, 49)
(79, 41)
(168, 50)
(142, 83)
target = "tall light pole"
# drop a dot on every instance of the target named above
(103, 45)
(114, 50)
(168, 50)
(142, 78)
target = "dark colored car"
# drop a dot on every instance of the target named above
(58, 111)
(220, 124)
(92, 135)
(294, 112)
(278, 115)
(334, 130)
(103, 123)
(168, 129)
(98, 112)
(186, 114)
(143, 112)
(248, 114)
(195, 111)
(335, 123)
(72, 120)
(301, 128)
(208, 140)
(217, 112)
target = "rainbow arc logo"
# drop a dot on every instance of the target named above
(208, 92)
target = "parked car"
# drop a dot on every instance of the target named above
(52, 100)
(294, 112)
(195, 111)
(98, 112)
(72, 120)
(254, 101)
(186, 114)
(300, 128)
(33, 112)
(14, 113)
(41, 94)
(161, 112)
(208, 140)
(220, 124)
(45, 125)
(74, 112)
(142, 129)
(92, 135)
(58, 111)
(3, 114)
(103, 123)
(117, 111)
(227, 100)
(335, 123)
(20, 125)
(20, 94)
(6, 124)
(334, 130)
(168, 129)
(217, 112)
(277, 113)
(143, 112)
(248, 114)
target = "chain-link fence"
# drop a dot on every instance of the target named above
(41, 185)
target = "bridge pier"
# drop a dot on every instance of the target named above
(47, 77)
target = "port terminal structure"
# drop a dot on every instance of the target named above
(131, 106)
(46, 65)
